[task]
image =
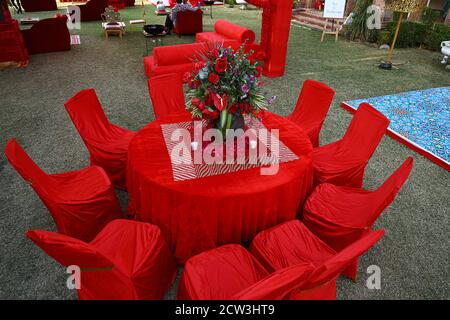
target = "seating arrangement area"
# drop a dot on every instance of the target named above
(211, 161)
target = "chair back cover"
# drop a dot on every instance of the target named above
(312, 107)
(69, 251)
(25, 166)
(277, 285)
(364, 132)
(87, 115)
(338, 263)
(166, 94)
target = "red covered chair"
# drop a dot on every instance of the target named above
(341, 215)
(39, 5)
(48, 35)
(312, 108)
(129, 3)
(107, 143)
(343, 162)
(291, 243)
(231, 272)
(118, 4)
(166, 94)
(127, 260)
(92, 10)
(189, 22)
(81, 202)
(177, 59)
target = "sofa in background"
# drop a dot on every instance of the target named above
(227, 33)
(189, 22)
(92, 10)
(48, 35)
(173, 59)
(39, 5)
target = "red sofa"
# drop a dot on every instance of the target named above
(189, 22)
(227, 33)
(39, 5)
(48, 35)
(129, 3)
(92, 10)
(172, 59)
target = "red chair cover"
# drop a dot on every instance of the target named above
(234, 31)
(39, 5)
(106, 142)
(231, 272)
(166, 93)
(342, 215)
(12, 45)
(48, 35)
(127, 260)
(81, 202)
(291, 243)
(343, 162)
(312, 108)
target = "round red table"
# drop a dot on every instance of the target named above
(200, 214)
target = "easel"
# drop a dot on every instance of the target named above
(336, 25)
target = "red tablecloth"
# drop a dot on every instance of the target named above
(200, 214)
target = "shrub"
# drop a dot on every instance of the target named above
(429, 16)
(411, 34)
(433, 38)
(384, 37)
(358, 28)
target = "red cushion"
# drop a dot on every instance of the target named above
(41, 5)
(177, 54)
(151, 69)
(233, 31)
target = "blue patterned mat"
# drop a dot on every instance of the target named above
(422, 118)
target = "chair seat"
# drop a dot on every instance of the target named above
(289, 244)
(220, 273)
(343, 206)
(81, 184)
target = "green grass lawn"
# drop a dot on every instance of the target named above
(413, 255)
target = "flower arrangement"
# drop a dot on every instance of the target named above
(224, 86)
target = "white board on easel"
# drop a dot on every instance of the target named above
(334, 9)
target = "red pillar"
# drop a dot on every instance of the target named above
(275, 29)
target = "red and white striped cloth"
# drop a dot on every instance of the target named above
(184, 168)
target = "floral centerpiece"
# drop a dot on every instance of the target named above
(224, 86)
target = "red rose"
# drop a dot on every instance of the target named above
(260, 55)
(195, 101)
(206, 112)
(232, 108)
(201, 105)
(258, 70)
(187, 77)
(213, 78)
(194, 84)
(210, 99)
(199, 65)
(251, 58)
(259, 84)
(221, 65)
(214, 114)
(215, 53)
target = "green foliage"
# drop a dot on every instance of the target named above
(384, 37)
(358, 28)
(411, 34)
(433, 38)
(429, 16)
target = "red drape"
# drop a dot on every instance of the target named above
(222, 209)
(127, 260)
